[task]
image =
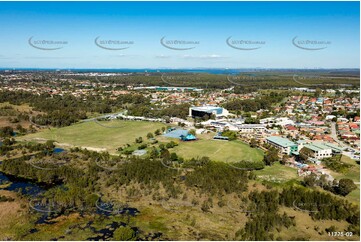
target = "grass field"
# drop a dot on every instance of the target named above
(231, 151)
(277, 172)
(354, 196)
(95, 136)
(353, 173)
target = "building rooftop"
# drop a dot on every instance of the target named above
(281, 141)
(330, 146)
(207, 108)
(139, 152)
(317, 147)
(176, 133)
(251, 126)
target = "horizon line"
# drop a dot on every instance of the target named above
(177, 68)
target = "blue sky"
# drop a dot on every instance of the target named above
(207, 25)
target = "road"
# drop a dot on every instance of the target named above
(334, 136)
(103, 116)
(342, 144)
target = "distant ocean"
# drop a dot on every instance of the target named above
(194, 70)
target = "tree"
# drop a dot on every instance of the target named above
(305, 153)
(318, 92)
(7, 142)
(271, 156)
(161, 146)
(6, 131)
(345, 186)
(150, 136)
(205, 206)
(164, 153)
(49, 145)
(311, 180)
(153, 153)
(284, 159)
(250, 120)
(124, 234)
(232, 135)
(173, 156)
(20, 128)
(253, 143)
(192, 132)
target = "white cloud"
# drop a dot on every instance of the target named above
(162, 56)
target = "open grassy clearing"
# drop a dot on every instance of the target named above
(353, 173)
(7, 113)
(354, 196)
(93, 135)
(15, 220)
(277, 172)
(20, 108)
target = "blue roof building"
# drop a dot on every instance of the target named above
(188, 137)
(181, 134)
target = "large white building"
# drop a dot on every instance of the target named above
(202, 111)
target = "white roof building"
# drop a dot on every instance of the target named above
(277, 121)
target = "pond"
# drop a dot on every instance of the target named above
(58, 150)
(22, 185)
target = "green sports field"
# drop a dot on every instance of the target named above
(99, 136)
(227, 151)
